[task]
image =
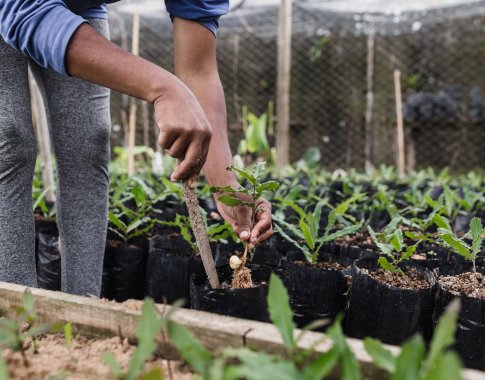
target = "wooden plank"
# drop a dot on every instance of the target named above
(401, 158)
(99, 318)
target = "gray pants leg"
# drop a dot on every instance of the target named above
(79, 122)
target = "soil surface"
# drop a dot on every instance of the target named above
(82, 362)
(241, 278)
(465, 284)
(361, 240)
(410, 280)
(323, 265)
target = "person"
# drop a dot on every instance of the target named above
(65, 43)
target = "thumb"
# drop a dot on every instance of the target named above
(243, 221)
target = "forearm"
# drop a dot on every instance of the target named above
(195, 65)
(91, 57)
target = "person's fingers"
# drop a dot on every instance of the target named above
(191, 165)
(263, 225)
(264, 236)
(243, 222)
(179, 147)
(166, 139)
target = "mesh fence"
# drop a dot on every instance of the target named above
(342, 87)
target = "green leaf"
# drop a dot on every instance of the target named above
(409, 252)
(196, 355)
(443, 337)
(153, 374)
(332, 218)
(244, 174)
(225, 189)
(148, 329)
(109, 359)
(349, 367)
(409, 360)
(117, 222)
(386, 265)
(447, 367)
(4, 375)
(280, 311)
(230, 201)
(456, 243)
(442, 222)
(258, 170)
(305, 229)
(268, 186)
(380, 355)
(68, 334)
(320, 367)
(476, 230)
(397, 240)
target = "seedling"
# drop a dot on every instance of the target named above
(391, 243)
(14, 334)
(252, 195)
(308, 231)
(476, 232)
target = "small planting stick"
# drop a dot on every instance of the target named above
(200, 233)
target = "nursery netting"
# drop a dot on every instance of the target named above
(342, 94)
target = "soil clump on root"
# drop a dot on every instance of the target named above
(465, 284)
(241, 278)
(410, 280)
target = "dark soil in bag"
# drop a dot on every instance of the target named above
(317, 291)
(241, 303)
(171, 262)
(48, 261)
(470, 333)
(386, 312)
(123, 271)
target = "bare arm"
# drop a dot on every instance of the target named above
(196, 66)
(184, 128)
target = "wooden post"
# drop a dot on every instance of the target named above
(132, 121)
(39, 119)
(283, 84)
(401, 159)
(369, 101)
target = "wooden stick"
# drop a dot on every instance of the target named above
(42, 132)
(369, 101)
(283, 84)
(198, 226)
(401, 163)
(132, 123)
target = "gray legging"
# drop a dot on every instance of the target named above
(79, 122)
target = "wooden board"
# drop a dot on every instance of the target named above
(99, 318)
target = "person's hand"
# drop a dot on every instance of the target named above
(240, 218)
(185, 132)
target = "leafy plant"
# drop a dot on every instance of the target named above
(391, 243)
(150, 326)
(309, 239)
(253, 365)
(14, 334)
(253, 194)
(255, 134)
(476, 232)
(412, 362)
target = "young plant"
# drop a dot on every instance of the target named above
(148, 330)
(476, 232)
(253, 194)
(391, 243)
(413, 362)
(253, 365)
(14, 334)
(308, 236)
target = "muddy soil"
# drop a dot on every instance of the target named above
(465, 284)
(410, 280)
(82, 362)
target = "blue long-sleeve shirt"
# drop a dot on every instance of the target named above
(41, 29)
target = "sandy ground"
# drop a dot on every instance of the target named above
(54, 361)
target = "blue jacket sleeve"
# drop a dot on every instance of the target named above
(40, 29)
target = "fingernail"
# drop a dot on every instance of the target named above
(254, 239)
(244, 235)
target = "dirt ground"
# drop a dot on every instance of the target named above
(54, 361)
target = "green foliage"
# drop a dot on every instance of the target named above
(15, 333)
(308, 230)
(391, 243)
(255, 134)
(4, 375)
(413, 363)
(146, 333)
(459, 245)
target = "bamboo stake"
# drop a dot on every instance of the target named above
(283, 84)
(132, 122)
(198, 226)
(369, 100)
(401, 163)
(42, 132)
